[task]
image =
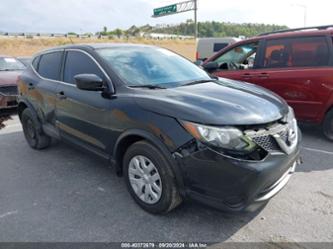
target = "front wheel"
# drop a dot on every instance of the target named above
(328, 125)
(149, 178)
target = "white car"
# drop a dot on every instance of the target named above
(206, 47)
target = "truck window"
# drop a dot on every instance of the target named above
(219, 46)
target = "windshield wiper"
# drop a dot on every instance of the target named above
(148, 86)
(195, 82)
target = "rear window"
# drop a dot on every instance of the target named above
(296, 52)
(49, 65)
(219, 46)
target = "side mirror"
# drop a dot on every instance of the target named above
(89, 82)
(211, 66)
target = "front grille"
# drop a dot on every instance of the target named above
(264, 137)
(8, 90)
(267, 142)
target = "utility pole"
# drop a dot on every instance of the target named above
(196, 19)
(305, 8)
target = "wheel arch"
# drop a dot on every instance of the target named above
(129, 137)
(20, 108)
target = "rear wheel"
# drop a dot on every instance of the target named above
(328, 125)
(34, 136)
(149, 178)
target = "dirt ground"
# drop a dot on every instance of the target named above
(27, 47)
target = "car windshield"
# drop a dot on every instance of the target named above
(10, 64)
(139, 66)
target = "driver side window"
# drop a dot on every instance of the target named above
(238, 58)
(79, 63)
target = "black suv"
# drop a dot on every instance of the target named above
(168, 127)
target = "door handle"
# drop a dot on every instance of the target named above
(247, 76)
(263, 75)
(31, 86)
(61, 95)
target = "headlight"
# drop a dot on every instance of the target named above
(227, 137)
(291, 115)
(292, 126)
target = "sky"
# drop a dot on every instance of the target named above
(61, 16)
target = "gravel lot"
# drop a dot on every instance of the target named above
(64, 194)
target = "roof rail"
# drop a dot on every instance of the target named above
(297, 29)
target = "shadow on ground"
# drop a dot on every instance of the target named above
(65, 194)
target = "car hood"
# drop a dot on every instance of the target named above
(226, 102)
(9, 77)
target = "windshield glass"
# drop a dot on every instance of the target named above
(151, 66)
(10, 64)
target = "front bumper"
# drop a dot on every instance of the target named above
(233, 184)
(8, 101)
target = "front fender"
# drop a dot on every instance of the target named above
(138, 134)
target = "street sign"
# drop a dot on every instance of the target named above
(165, 10)
(177, 8)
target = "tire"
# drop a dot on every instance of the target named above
(156, 167)
(34, 136)
(328, 125)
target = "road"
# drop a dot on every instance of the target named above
(64, 194)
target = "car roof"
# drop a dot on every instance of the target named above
(295, 33)
(285, 34)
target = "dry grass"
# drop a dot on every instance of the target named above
(27, 47)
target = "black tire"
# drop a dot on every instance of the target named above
(169, 198)
(32, 131)
(328, 125)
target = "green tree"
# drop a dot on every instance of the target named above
(118, 32)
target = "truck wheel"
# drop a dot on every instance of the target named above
(328, 125)
(149, 178)
(36, 139)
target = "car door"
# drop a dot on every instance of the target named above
(298, 69)
(42, 89)
(83, 116)
(238, 62)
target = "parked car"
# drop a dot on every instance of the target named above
(10, 69)
(25, 60)
(169, 128)
(206, 47)
(296, 64)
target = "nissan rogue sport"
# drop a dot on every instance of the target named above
(169, 128)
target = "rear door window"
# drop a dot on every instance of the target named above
(79, 63)
(296, 52)
(49, 65)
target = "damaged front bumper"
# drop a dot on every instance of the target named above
(234, 184)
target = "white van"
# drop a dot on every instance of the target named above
(206, 47)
